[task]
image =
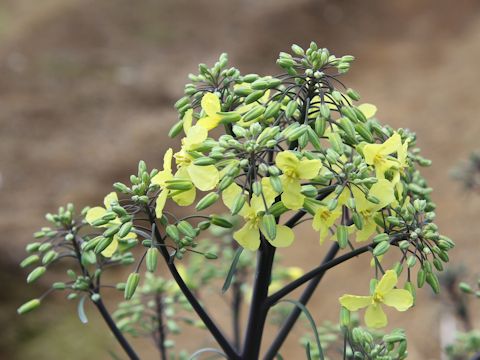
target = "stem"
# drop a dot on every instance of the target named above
(161, 327)
(207, 320)
(272, 299)
(304, 298)
(258, 307)
(103, 310)
(114, 329)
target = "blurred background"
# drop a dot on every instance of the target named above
(87, 89)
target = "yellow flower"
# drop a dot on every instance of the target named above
(384, 293)
(211, 106)
(368, 110)
(249, 235)
(379, 155)
(324, 220)
(204, 178)
(161, 180)
(383, 191)
(295, 170)
(98, 212)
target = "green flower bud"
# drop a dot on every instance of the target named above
(36, 273)
(270, 226)
(32, 247)
(49, 257)
(125, 229)
(179, 184)
(59, 286)
(219, 221)
(151, 259)
(122, 188)
(207, 200)
(210, 256)
(131, 286)
(102, 244)
(421, 277)
(432, 280)
(291, 108)
(238, 204)
(260, 85)
(352, 94)
(342, 236)
(175, 129)
(254, 96)
(357, 220)
(172, 232)
(254, 113)
(30, 260)
(28, 306)
(186, 228)
(381, 248)
(466, 288)
(277, 209)
(225, 182)
(272, 110)
(276, 183)
(95, 297)
(364, 132)
(381, 237)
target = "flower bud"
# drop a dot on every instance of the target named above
(151, 259)
(36, 273)
(270, 226)
(381, 248)
(30, 260)
(28, 306)
(131, 286)
(207, 201)
(219, 221)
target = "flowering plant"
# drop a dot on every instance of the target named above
(274, 151)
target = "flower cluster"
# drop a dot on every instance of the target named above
(271, 149)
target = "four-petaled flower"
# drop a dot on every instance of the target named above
(98, 212)
(249, 235)
(379, 155)
(384, 293)
(211, 106)
(204, 178)
(383, 191)
(295, 170)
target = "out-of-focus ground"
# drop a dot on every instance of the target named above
(87, 87)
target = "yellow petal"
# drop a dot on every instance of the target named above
(187, 120)
(110, 249)
(203, 177)
(94, 213)
(292, 196)
(185, 198)
(386, 283)
(268, 192)
(110, 199)
(368, 229)
(354, 302)
(161, 200)
(370, 152)
(195, 136)
(162, 177)
(211, 104)
(400, 299)
(284, 238)
(375, 317)
(392, 144)
(308, 169)
(248, 236)
(230, 193)
(383, 190)
(286, 160)
(368, 110)
(209, 122)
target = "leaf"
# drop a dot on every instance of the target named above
(232, 270)
(81, 310)
(312, 323)
(205, 350)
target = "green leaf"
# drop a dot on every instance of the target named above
(232, 270)
(312, 323)
(81, 310)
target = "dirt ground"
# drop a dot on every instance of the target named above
(87, 87)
